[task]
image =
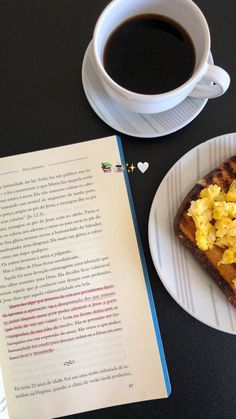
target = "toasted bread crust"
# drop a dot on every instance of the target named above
(185, 230)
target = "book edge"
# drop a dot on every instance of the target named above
(145, 273)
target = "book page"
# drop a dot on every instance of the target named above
(78, 328)
(3, 402)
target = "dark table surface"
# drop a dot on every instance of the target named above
(42, 105)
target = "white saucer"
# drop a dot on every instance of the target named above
(132, 123)
(184, 278)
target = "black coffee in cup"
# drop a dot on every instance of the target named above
(149, 54)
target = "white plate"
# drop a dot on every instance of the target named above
(132, 123)
(183, 277)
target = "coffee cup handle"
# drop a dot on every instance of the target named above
(220, 83)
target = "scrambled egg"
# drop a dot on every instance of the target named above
(214, 215)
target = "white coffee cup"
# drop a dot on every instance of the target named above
(190, 17)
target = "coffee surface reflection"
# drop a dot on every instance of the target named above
(149, 54)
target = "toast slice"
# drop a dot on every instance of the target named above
(184, 226)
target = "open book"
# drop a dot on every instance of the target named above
(78, 325)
